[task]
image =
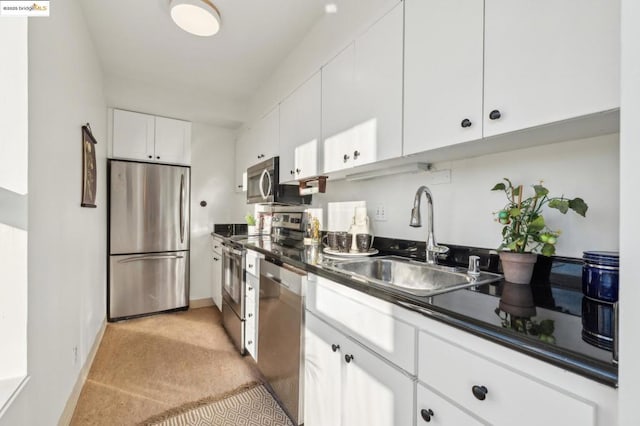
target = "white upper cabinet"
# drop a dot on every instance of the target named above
(266, 137)
(548, 61)
(307, 160)
(362, 97)
(146, 137)
(541, 62)
(338, 109)
(133, 135)
(300, 131)
(378, 94)
(244, 157)
(173, 141)
(443, 73)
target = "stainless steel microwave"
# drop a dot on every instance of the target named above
(263, 185)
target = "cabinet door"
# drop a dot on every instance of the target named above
(300, 116)
(548, 61)
(338, 110)
(374, 393)
(133, 135)
(266, 138)
(216, 280)
(173, 141)
(322, 377)
(443, 73)
(306, 160)
(435, 410)
(242, 157)
(378, 90)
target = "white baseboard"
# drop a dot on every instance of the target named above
(70, 407)
(200, 303)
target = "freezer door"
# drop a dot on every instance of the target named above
(146, 283)
(148, 207)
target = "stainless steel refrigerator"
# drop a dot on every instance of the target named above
(148, 241)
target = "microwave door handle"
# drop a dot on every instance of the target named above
(260, 184)
(265, 172)
(270, 185)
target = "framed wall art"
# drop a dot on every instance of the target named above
(89, 172)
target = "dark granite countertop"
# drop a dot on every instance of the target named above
(556, 293)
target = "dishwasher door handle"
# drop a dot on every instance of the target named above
(276, 279)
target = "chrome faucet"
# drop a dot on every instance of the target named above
(433, 249)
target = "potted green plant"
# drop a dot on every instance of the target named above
(252, 229)
(524, 231)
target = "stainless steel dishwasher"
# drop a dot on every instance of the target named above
(281, 333)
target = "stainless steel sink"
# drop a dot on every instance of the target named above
(408, 276)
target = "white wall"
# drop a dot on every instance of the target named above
(629, 207)
(212, 153)
(67, 243)
(463, 208)
(13, 189)
(13, 104)
(197, 106)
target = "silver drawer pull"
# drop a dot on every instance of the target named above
(152, 257)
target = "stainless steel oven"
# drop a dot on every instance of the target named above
(233, 305)
(263, 185)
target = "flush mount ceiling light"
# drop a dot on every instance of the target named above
(199, 17)
(331, 8)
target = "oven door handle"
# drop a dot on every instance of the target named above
(276, 279)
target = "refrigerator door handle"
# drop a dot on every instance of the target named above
(182, 208)
(151, 257)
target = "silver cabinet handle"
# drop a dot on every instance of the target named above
(182, 208)
(151, 257)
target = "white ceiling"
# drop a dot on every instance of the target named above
(136, 40)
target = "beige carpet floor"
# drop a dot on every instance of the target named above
(149, 365)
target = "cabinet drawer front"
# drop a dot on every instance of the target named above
(140, 284)
(367, 320)
(216, 246)
(509, 395)
(250, 338)
(252, 261)
(252, 288)
(439, 411)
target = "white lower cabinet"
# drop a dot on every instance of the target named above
(461, 379)
(435, 410)
(346, 384)
(322, 373)
(216, 271)
(251, 318)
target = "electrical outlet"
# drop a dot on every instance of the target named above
(75, 355)
(380, 213)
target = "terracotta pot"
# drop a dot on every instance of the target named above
(518, 267)
(517, 300)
